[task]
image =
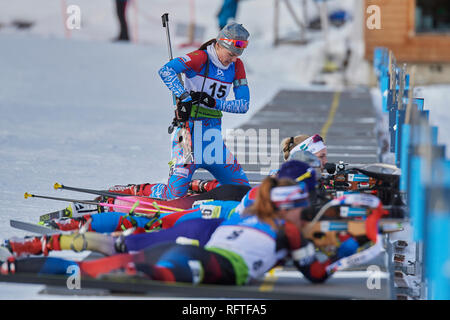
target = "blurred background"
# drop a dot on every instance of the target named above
(292, 44)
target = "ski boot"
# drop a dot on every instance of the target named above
(32, 245)
(5, 253)
(133, 189)
(7, 261)
(201, 186)
(8, 266)
(68, 224)
(81, 209)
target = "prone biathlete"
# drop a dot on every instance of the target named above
(197, 224)
(196, 231)
(240, 249)
(298, 171)
(108, 222)
(119, 219)
(193, 227)
(313, 144)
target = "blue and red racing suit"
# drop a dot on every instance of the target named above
(204, 123)
(240, 249)
(106, 222)
(247, 201)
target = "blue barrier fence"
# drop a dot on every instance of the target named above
(425, 173)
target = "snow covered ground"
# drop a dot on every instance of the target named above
(81, 110)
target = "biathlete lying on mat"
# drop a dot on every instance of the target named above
(314, 144)
(196, 225)
(240, 248)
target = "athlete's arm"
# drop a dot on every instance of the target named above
(307, 262)
(247, 200)
(188, 64)
(303, 253)
(241, 93)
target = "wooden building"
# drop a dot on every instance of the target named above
(417, 31)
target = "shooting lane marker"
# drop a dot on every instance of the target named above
(269, 280)
(334, 106)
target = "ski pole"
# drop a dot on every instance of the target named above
(131, 208)
(165, 24)
(99, 192)
(30, 195)
(103, 204)
(186, 133)
(158, 206)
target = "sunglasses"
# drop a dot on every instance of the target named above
(240, 44)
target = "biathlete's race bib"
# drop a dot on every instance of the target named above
(259, 257)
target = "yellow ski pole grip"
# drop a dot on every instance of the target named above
(27, 195)
(57, 186)
(156, 206)
(135, 205)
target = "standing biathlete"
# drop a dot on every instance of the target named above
(210, 72)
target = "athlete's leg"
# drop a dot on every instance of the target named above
(125, 261)
(185, 263)
(216, 158)
(178, 183)
(197, 230)
(37, 265)
(105, 265)
(230, 172)
(104, 222)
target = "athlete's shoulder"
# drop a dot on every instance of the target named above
(239, 62)
(253, 193)
(291, 233)
(195, 59)
(239, 69)
(197, 55)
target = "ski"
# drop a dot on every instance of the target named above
(32, 227)
(30, 195)
(69, 212)
(63, 213)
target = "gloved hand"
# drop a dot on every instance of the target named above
(337, 246)
(347, 248)
(184, 108)
(206, 99)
